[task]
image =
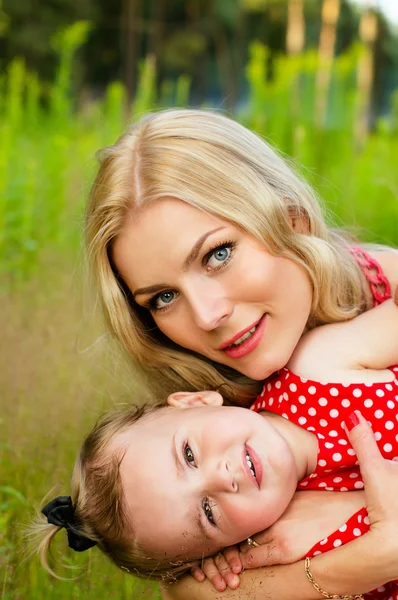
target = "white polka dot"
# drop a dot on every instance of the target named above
(343, 489)
(381, 588)
(285, 396)
(303, 380)
(357, 532)
(323, 423)
(379, 414)
(379, 393)
(337, 457)
(359, 518)
(333, 433)
(322, 463)
(337, 543)
(293, 408)
(322, 484)
(311, 428)
(312, 411)
(368, 403)
(377, 435)
(320, 436)
(304, 483)
(351, 451)
(334, 413)
(312, 389)
(346, 403)
(357, 393)
(285, 416)
(329, 445)
(317, 552)
(323, 542)
(358, 485)
(271, 401)
(389, 425)
(302, 420)
(334, 391)
(322, 402)
(387, 447)
(337, 479)
(366, 520)
(302, 399)
(353, 475)
(329, 489)
(293, 387)
(343, 528)
(390, 404)
(263, 404)
(343, 442)
(389, 387)
(278, 384)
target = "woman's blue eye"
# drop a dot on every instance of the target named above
(189, 456)
(162, 300)
(208, 512)
(219, 256)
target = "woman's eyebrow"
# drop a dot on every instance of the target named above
(192, 256)
(194, 253)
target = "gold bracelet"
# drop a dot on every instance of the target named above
(310, 578)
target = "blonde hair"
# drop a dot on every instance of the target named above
(222, 168)
(97, 499)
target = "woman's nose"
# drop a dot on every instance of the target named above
(209, 305)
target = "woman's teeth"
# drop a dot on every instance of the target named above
(244, 337)
(250, 465)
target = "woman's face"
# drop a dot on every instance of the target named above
(199, 479)
(212, 288)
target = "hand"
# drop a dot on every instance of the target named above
(310, 517)
(222, 570)
(380, 477)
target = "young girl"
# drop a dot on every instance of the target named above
(212, 258)
(160, 489)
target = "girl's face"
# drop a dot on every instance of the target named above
(199, 479)
(214, 289)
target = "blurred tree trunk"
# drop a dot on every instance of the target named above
(156, 30)
(327, 42)
(131, 32)
(295, 34)
(368, 33)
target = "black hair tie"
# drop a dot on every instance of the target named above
(60, 512)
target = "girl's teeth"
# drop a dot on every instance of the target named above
(244, 337)
(250, 465)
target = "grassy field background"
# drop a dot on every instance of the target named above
(56, 371)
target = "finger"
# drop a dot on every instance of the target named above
(198, 574)
(232, 557)
(212, 573)
(362, 439)
(230, 578)
(262, 556)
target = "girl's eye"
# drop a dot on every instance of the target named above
(162, 300)
(208, 512)
(189, 456)
(220, 256)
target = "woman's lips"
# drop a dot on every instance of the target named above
(248, 345)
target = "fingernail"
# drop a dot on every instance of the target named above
(352, 421)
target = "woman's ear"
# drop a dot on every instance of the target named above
(189, 399)
(300, 223)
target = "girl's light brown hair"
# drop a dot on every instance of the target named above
(97, 498)
(219, 167)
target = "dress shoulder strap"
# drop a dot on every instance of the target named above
(378, 282)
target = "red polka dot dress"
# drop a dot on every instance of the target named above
(322, 408)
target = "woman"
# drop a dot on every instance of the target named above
(212, 258)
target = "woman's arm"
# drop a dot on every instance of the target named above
(358, 567)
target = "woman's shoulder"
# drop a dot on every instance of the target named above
(388, 260)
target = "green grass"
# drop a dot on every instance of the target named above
(56, 376)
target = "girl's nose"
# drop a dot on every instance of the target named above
(221, 479)
(209, 305)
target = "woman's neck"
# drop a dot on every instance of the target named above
(303, 444)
